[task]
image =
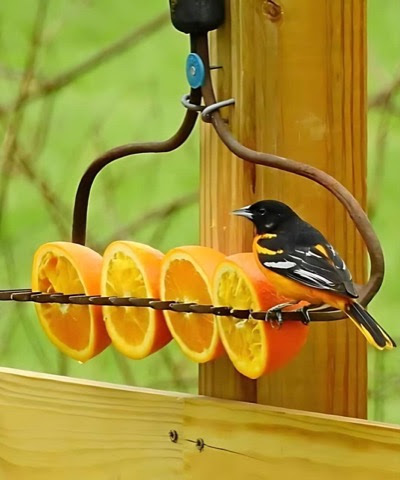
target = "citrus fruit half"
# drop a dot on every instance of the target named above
(254, 347)
(186, 276)
(62, 267)
(132, 269)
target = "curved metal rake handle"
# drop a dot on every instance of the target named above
(86, 182)
(341, 193)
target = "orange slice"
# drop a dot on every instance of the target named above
(132, 269)
(254, 347)
(186, 277)
(77, 330)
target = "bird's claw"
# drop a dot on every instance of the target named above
(274, 317)
(274, 314)
(305, 311)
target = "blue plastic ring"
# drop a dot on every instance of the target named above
(195, 71)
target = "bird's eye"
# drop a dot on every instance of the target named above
(262, 211)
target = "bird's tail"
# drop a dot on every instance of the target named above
(371, 330)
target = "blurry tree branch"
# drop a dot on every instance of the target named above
(162, 212)
(384, 101)
(123, 367)
(11, 74)
(382, 98)
(174, 366)
(379, 164)
(24, 162)
(57, 209)
(16, 118)
(44, 88)
(109, 182)
(41, 132)
(186, 384)
(20, 318)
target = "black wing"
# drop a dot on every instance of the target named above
(318, 266)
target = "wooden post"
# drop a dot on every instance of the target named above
(298, 77)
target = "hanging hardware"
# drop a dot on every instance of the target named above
(207, 111)
(197, 16)
(195, 71)
(185, 101)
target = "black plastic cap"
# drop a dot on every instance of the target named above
(197, 16)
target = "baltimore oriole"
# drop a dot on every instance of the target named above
(300, 263)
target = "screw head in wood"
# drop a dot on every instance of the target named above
(200, 444)
(173, 436)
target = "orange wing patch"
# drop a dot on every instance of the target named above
(322, 250)
(267, 251)
(268, 235)
(264, 250)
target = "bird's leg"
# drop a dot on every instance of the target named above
(305, 311)
(274, 314)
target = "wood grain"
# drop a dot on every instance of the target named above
(299, 86)
(247, 441)
(60, 428)
(57, 428)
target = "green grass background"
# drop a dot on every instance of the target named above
(135, 97)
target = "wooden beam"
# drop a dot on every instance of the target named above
(299, 84)
(55, 427)
(66, 429)
(259, 442)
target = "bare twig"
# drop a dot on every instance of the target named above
(383, 97)
(187, 384)
(8, 335)
(57, 209)
(62, 364)
(379, 166)
(11, 74)
(161, 230)
(127, 375)
(42, 129)
(162, 212)
(99, 58)
(385, 101)
(174, 368)
(16, 119)
(379, 382)
(109, 182)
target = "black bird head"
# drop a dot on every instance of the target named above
(267, 215)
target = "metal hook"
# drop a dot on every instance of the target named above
(185, 101)
(207, 111)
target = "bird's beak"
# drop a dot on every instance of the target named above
(244, 212)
